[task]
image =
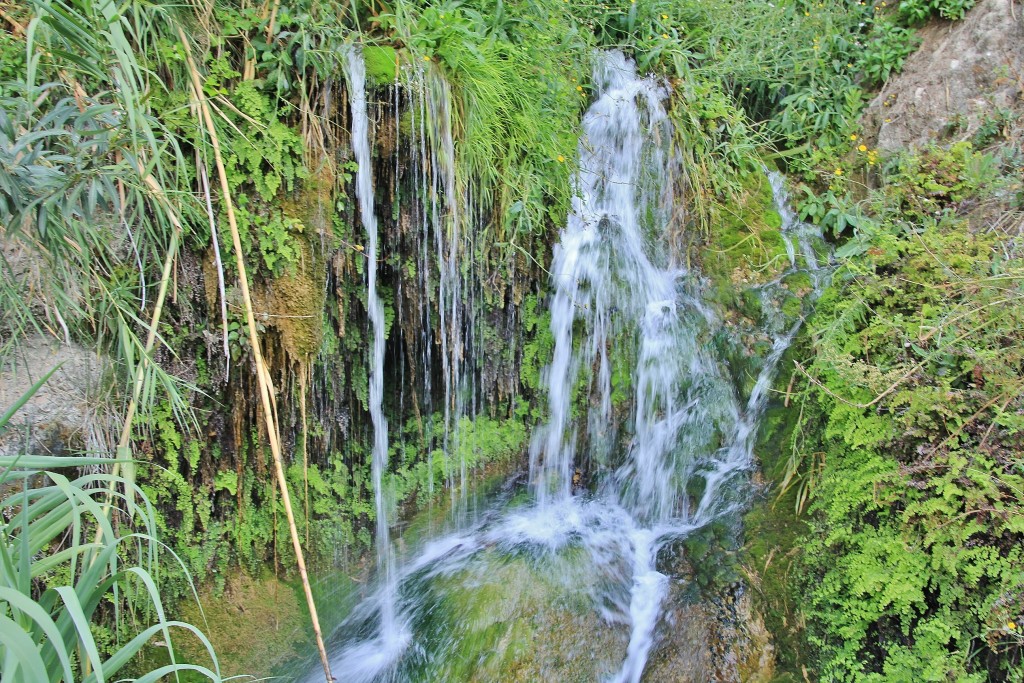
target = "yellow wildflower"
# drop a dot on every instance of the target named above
(853, 136)
(838, 171)
(664, 16)
(665, 36)
(561, 158)
(1010, 626)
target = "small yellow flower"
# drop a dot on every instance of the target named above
(853, 136)
(426, 58)
(664, 16)
(561, 158)
(863, 148)
(888, 120)
(1010, 626)
(580, 88)
(665, 36)
(838, 171)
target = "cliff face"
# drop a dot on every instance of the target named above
(965, 76)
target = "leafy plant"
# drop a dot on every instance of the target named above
(916, 12)
(886, 49)
(914, 475)
(55, 582)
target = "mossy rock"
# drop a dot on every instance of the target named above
(745, 246)
(792, 307)
(381, 64)
(772, 527)
(799, 283)
(517, 617)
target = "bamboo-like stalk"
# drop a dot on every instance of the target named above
(262, 374)
(273, 20)
(123, 453)
(303, 382)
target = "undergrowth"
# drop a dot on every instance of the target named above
(908, 448)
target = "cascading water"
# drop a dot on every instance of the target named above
(601, 252)
(442, 216)
(392, 636)
(457, 607)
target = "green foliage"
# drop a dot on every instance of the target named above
(478, 443)
(516, 73)
(72, 550)
(887, 47)
(916, 12)
(270, 155)
(537, 351)
(912, 564)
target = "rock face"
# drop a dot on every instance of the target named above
(718, 640)
(66, 413)
(964, 73)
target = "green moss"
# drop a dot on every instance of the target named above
(381, 64)
(745, 245)
(792, 307)
(518, 618)
(771, 552)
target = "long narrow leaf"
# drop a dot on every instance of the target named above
(74, 611)
(40, 618)
(23, 661)
(25, 398)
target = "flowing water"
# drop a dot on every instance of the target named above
(557, 582)
(391, 636)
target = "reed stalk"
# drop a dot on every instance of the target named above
(262, 373)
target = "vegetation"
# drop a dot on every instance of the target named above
(907, 448)
(897, 459)
(83, 612)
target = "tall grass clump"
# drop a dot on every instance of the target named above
(61, 585)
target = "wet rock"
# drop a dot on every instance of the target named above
(720, 639)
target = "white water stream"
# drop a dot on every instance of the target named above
(618, 297)
(368, 658)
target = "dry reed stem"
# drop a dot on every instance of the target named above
(262, 374)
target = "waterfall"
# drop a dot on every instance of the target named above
(621, 307)
(442, 210)
(601, 269)
(391, 637)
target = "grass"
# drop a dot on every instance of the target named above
(54, 582)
